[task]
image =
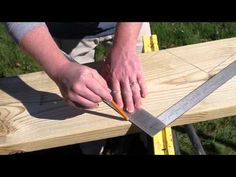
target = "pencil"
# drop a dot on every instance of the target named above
(119, 110)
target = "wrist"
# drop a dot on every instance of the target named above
(56, 68)
(126, 35)
(123, 48)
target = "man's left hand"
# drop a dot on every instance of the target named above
(124, 75)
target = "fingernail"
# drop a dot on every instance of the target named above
(144, 95)
(95, 106)
(130, 110)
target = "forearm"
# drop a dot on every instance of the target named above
(79, 85)
(41, 46)
(126, 35)
(18, 29)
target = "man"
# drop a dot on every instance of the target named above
(80, 85)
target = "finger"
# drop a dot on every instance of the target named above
(86, 93)
(136, 94)
(96, 88)
(79, 100)
(116, 93)
(142, 85)
(74, 104)
(127, 95)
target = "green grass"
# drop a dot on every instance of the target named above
(218, 136)
(179, 34)
(12, 60)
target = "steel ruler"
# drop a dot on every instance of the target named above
(152, 125)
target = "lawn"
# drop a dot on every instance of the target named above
(218, 136)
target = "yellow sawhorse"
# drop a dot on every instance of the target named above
(162, 142)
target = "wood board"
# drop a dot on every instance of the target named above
(33, 115)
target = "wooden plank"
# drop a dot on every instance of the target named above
(213, 52)
(33, 115)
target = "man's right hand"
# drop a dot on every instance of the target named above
(82, 86)
(79, 85)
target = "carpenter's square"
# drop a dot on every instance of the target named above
(152, 125)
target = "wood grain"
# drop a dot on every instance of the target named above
(33, 115)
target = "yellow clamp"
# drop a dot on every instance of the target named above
(162, 141)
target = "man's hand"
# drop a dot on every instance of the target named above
(82, 86)
(124, 72)
(79, 85)
(125, 77)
